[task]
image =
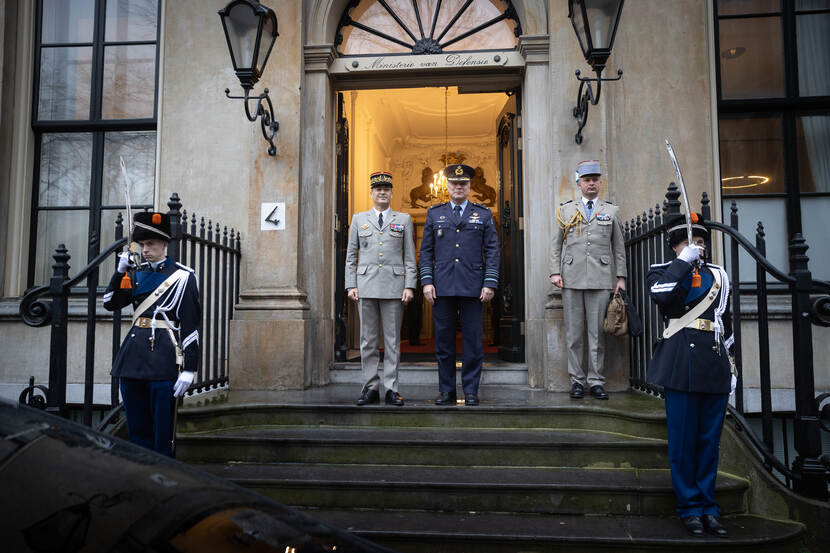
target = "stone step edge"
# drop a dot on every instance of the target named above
(219, 409)
(226, 434)
(725, 481)
(788, 530)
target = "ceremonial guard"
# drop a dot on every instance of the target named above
(381, 276)
(691, 362)
(587, 261)
(459, 273)
(160, 354)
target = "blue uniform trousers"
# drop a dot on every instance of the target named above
(695, 421)
(148, 405)
(444, 314)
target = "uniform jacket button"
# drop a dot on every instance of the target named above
(691, 345)
(456, 260)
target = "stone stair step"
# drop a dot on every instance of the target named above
(472, 488)
(416, 532)
(620, 415)
(426, 373)
(424, 446)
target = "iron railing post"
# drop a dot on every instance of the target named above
(56, 398)
(763, 341)
(116, 316)
(807, 430)
(175, 207)
(735, 277)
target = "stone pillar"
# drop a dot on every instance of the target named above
(559, 155)
(271, 319)
(538, 197)
(316, 239)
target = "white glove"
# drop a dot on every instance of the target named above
(183, 383)
(125, 261)
(732, 385)
(690, 253)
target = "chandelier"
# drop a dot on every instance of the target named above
(438, 189)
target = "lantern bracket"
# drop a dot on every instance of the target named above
(585, 97)
(268, 124)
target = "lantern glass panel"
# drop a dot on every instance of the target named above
(242, 24)
(269, 35)
(602, 17)
(578, 20)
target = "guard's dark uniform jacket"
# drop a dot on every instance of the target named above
(139, 357)
(686, 361)
(459, 257)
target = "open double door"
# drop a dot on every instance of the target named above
(506, 335)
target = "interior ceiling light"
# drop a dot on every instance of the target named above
(743, 181)
(732, 53)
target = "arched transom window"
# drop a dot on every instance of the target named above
(373, 27)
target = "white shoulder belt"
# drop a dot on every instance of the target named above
(676, 324)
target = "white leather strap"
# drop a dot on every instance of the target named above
(156, 294)
(676, 324)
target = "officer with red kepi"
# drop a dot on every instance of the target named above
(159, 357)
(692, 364)
(459, 272)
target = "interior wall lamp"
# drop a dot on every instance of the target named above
(251, 30)
(595, 23)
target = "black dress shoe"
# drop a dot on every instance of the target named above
(599, 392)
(577, 391)
(714, 527)
(393, 398)
(369, 396)
(470, 399)
(693, 525)
(446, 398)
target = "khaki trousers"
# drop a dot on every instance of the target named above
(585, 310)
(380, 319)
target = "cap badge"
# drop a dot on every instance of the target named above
(459, 170)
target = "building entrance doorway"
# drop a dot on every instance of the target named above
(413, 133)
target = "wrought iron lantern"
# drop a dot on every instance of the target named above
(595, 24)
(251, 30)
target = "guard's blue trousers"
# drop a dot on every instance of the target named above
(148, 405)
(694, 423)
(445, 311)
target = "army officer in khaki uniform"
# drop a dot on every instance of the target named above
(381, 276)
(587, 260)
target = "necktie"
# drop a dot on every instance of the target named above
(589, 208)
(457, 210)
(380, 220)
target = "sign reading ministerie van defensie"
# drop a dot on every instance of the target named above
(449, 60)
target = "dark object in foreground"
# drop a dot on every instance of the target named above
(69, 488)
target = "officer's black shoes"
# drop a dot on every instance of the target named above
(393, 398)
(577, 391)
(598, 392)
(369, 396)
(693, 525)
(714, 527)
(446, 398)
(470, 399)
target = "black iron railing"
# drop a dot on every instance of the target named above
(645, 245)
(212, 251)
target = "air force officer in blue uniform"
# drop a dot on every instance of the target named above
(691, 363)
(459, 273)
